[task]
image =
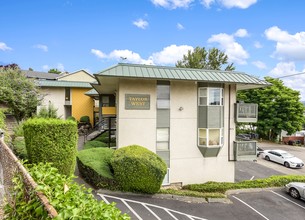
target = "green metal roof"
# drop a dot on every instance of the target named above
(91, 92)
(56, 83)
(185, 74)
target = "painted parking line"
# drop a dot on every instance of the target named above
(250, 207)
(146, 206)
(303, 207)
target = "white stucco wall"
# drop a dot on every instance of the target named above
(56, 96)
(187, 165)
(137, 126)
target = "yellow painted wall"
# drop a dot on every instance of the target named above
(81, 104)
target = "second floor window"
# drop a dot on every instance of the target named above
(210, 96)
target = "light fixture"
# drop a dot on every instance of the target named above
(181, 108)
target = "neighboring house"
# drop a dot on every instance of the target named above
(67, 94)
(40, 75)
(186, 116)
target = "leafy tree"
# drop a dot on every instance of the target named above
(279, 108)
(54, 71)
(19, 93)
(200, 58)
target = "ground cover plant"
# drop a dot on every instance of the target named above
(94, 166)
(70, 200)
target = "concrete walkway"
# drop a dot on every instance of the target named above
(79, 179)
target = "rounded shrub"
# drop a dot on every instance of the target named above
(94, 144)
(138, 169)
(94, 166)
(71, 118)
(52, 140)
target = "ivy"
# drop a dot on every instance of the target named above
(71, 200)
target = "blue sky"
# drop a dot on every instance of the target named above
(261, 37)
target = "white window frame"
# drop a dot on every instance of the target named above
(220, 141)
(208, 91)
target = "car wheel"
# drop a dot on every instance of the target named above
(286, 164)
(294, 193)
(267, 158)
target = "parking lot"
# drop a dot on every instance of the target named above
(272, 204)
(245, 170)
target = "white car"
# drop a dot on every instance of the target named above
(283, 157)
(296, 190)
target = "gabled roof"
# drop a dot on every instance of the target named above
(62, 77)
(55, 83)
(123, 70)
(40, 75)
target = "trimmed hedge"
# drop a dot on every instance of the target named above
(85, 119)
(222, 187)
(52, 140)
(94, 144)
(94, 167)
(138, 169)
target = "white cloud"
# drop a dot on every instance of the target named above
(98, 53)
(234, 50)
(288, 47)
(241, 33)
(207, 3)
(59, 67)
(243, 4)
(259, 64)
(172, 4)
(140, 23)
(45, 67)
(42, 47)
(296, 82)
(180, 26)
(4, 47)
(120, 55)
(168, 56)
(257, 45)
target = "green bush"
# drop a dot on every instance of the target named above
(137, 169)
(48, 112)
(104, 137)
(222, 187)
(2, 119)
(19, 148)
(71, 118)
(94, 167)
(70, 200)
(52, 140)
(85, 119)
(94, 144)
(18, 130)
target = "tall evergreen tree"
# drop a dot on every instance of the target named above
(200, 58)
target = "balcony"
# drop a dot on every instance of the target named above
(245, 150)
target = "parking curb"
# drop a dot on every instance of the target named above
(250, 190)
(187, 199)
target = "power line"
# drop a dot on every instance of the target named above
(295, 74)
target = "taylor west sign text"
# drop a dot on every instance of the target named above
(137, 101)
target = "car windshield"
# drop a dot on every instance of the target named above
(287, 155)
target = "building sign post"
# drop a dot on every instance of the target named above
(137, 101)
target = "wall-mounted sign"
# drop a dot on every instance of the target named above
(137, 101)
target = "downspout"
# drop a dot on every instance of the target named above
(100, 119)
(229, 129)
